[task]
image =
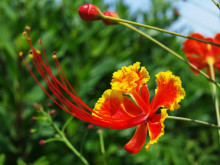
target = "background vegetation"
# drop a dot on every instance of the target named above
(89, 53)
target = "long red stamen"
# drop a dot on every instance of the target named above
(59, 88)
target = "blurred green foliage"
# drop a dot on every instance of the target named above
(89, 53)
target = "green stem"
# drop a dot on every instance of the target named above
(67, 123)
(170, 51)
(119, 20)
(216, 3)
(83, 140)
(66, 141)
(212, 70)
(100, 132)
(194, 121)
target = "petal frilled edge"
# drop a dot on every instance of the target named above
(138, 140)
(156, 127)
(169, 92)
(110, 105)
(129, 79)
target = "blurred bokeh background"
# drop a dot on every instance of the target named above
(89, 53)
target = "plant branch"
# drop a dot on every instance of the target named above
(66, 141)
(170, 51)
(194, 121)
(119, 20)
(214, 1)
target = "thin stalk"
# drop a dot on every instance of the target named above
(67, 123)
(67, 142)
(170, 51)
(214, 1)
(100, 132)
(83, 140)
(211, 66)
(194, 121)
(119, 20)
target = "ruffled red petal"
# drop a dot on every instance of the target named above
(168, 93)
(217, 40)
(192, 47)
(138, 140)
(156, 127)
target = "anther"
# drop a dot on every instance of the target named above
(20, 54)
(54, 55)
(24, 33)
(28, 28)
(38, 52)
(30, 56)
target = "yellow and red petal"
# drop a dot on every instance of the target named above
(110, 105)
(129, 79)
(169, 92)
(138, 140)
(156, 127)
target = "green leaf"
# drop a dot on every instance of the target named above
(21, 162)
(2, 159)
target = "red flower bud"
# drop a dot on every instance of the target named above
(89, 12)
(176, 13)
(110, 14)
(42, 142)
(33, 117)
(90, 126)
(52, 112)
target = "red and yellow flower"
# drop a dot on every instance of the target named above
(129, 98)
(126, 104)
(202, 55)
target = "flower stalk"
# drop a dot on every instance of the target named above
(170, 51)
(100, 132)
(211, 66)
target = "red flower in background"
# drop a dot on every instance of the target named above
(126, 104)
(202, 54)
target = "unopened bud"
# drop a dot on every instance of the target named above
(52, 112)
(100, 131)
(110, 14)
(32, 131)
(176, 13)
(42, 142)
(33, 117)
(37, 106)
(89, 12)
(90, 126)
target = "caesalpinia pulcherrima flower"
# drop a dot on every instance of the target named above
(126, 104)
(202, 55)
